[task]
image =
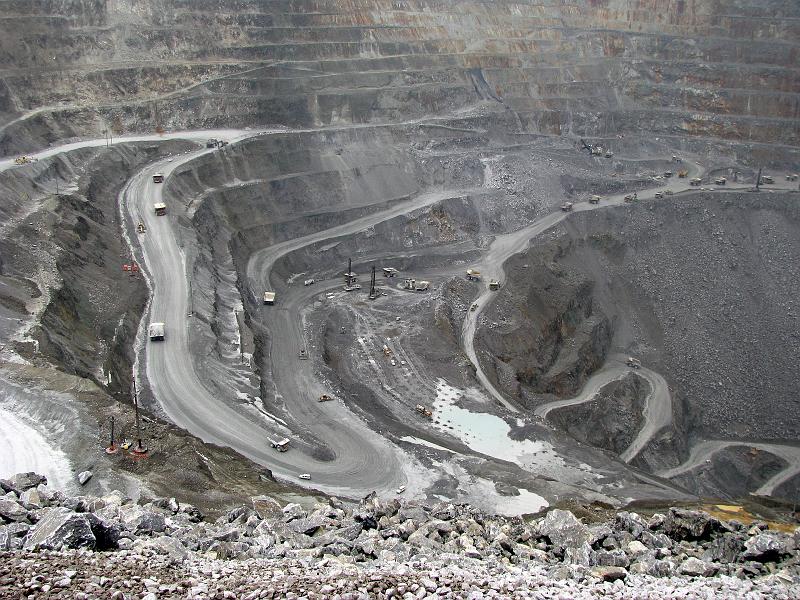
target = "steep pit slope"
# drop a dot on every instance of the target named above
(703, 289)
(600, 67)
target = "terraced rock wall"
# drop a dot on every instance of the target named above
(593, 68)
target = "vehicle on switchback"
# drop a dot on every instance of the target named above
(158, 178)
(474, 307)
(156, 331)
(594, 200)
(566, 207)
(302, 355)
(304, 476)
(160, 209)
(659, 195)
(308, 282)
(401, 489)
(633, 363)
(720, 181)
(325, 398)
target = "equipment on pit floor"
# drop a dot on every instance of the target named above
(631, 197)
(668, 174)
(158, 178)
(696, 181)
(269, 297)
(474, 307)
(305, 476)
(494, 285)
(767, 179)
(473, 275)
(720, 181)
(594, 200)
(352, 288)
(156, 331)
(567, 206)
(349, 276)
(24, 160)
(325, 398)
(212, 142)
(389, 271)
(676, 158)
(308, 282)
(160, 209)
(281, 445)
(302, 355)
(425, 412)
(140, 227)
(401, 489)
(659, 195)
(609, 154)
(791, 177)
(422, 286)
(372, 292)
(633, 363)
(683, 174)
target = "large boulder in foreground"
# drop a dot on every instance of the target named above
(61, 528)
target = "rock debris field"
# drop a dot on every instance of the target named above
(58, 546)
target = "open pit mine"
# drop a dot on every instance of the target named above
(521, 256)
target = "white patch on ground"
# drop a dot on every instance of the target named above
(487, 433)
(24, 449)
(527, 502)
(294, 276)
(420, 442)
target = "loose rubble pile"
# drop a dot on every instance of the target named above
(53, 544)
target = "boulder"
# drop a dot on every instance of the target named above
(168, 546)
(681, 524)
(578, 555)
(765, 547)
(107, 533)
(630, 522)
(142, 521)
(725, 548)
(609, 573)
(308, 526)
(293, 511)
(11, 510)
(31, 499)
(5, 539)
(612, 558)
(694, 567)
(61, 528)
(25, 481)
(266, 507)
(636, 548)
(84, 477)
(564, 529)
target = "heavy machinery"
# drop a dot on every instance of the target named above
(494, 285)
(160, 209)
(473, 275)
(683, 174)
(633, 363)
(281, 445)
(24, 160)
(767, 179)
(156, 331)
(158, 178)
(594, 200)
(302, 354)
(474, 307)
(566, 207)
(696, 181)
(140, 227)
(720, 181)
(659, 195)
(325, 398)
(269, 297)
(425, 412)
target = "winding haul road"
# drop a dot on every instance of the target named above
(658, 404)
(363, 460)
(703, 451)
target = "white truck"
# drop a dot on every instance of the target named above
(156, 331)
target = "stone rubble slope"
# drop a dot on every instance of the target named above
(85, 547)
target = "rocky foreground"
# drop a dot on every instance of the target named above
(52, 545)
